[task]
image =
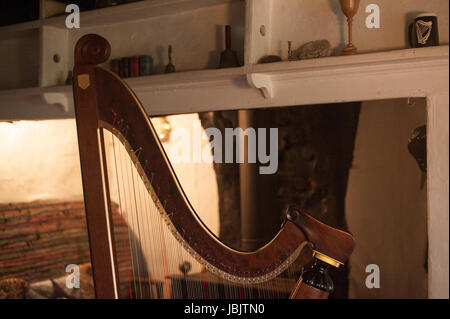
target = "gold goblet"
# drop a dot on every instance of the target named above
(349, 7)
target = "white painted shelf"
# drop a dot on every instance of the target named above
(57, 102)
(268, 76)
(324, 80)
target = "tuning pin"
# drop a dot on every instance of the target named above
(185, 267)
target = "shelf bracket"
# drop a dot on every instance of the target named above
(59, 99)
(263, 82)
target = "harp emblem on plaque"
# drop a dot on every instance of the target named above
(423, 30)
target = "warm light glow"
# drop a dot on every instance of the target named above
(39, 161)
(162, 127)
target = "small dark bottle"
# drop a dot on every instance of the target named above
(228, 58)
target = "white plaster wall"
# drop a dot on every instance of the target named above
(304, 20)
(39, 161)
(386, 203)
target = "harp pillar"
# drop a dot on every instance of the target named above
(92, 50)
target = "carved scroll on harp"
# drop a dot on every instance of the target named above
(140, 223)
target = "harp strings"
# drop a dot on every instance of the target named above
(138, 214)
(149, 256)
(125, 229)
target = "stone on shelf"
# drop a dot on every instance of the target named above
(314, 49)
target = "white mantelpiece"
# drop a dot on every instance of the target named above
(372, 76)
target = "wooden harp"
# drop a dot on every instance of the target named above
(106, 107)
